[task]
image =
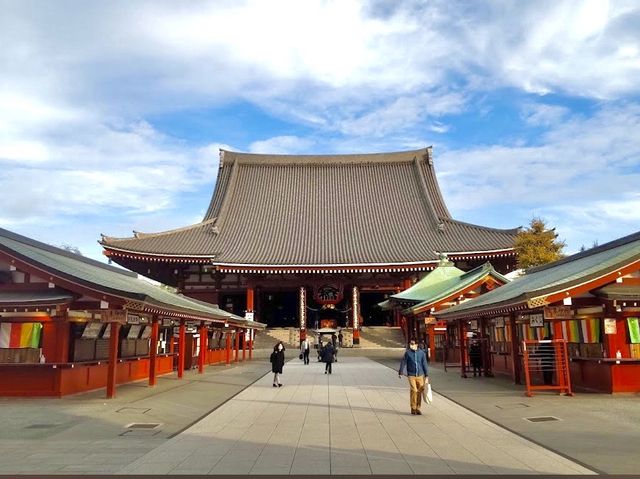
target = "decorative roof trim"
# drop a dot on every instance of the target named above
(495, 252)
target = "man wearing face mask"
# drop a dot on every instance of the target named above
(414, 366)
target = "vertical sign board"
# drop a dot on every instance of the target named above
(536, 320)
(610, 326)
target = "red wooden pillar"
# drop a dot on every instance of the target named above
(182, 346)
(203, 347)
(114, 339)
(236, 345)
(432, 342)
(250, 309)
(515, 346)
(153, 351)
(244, 344)
(463, 352)
(227, 337)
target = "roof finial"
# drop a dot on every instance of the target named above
(444, 260)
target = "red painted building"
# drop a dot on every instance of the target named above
(298, 240)
(70, 324)
(590, 299)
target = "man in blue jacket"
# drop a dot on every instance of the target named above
(414, 366)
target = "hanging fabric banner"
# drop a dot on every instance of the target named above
(634, 330)
(571, 331)
(590, 330)
(20, 335)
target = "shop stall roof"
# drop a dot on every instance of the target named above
(29, 299)
(108, 280)
(451, 287)
(545, 284)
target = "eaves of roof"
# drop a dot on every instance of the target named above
(452, 288)
(545, 285)
(76, 272)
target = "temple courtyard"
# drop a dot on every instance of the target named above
(355, 421)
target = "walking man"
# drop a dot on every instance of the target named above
(340, 337)
(304, 350)
(327, 357)
(414, 366)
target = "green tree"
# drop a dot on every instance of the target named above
(537, 245)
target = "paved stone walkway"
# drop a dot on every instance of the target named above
(354, 421)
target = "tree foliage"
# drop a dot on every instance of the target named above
(537, 245)
(71, 248)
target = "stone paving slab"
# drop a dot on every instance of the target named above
(83, 434)
(601, 431)
(354, 421)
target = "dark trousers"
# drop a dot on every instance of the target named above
(327, 367)
(305, 356)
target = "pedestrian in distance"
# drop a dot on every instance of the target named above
(340, 338)
(277, 363)
(475, 355)
(414, 366)
(334, 343)
(305, 346)
(328, 357)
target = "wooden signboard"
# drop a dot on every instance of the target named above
(610, 326)
(558, 312)
(536, 321)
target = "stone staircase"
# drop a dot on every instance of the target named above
(268, 338)
(381, 337)
(371, 337)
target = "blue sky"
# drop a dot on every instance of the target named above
(112, 113)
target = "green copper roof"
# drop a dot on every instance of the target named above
(554, 277)
(424, 288)
(107, 279)
(450, 287)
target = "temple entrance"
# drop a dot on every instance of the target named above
(234, 303)
(279, 309)
(371, 314)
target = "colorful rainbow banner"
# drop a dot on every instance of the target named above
(20, 335)
(571, 331)
(532, 334)
(590, 330)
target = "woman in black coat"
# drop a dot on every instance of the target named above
(277, 362)
(327, 357)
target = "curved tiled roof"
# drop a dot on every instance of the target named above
(318, 210)
(585, 268)
(103, 279)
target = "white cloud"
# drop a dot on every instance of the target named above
(282, 145)
(582, 174)
(540, 114)
(80, 82)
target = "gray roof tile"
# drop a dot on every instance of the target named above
(323, 210)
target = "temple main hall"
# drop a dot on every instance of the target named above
(312, 241)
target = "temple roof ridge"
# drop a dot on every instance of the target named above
(348, 159)
(140, 235)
